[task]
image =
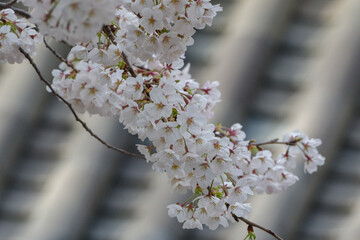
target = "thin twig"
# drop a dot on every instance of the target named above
(7, 4)
(53, 51)
(252, 224)
(58, 55)
(67, 44)
(260, 227)
(131, 70)
(73, 111)
(21, 12)
(275, 141)
(107, 30)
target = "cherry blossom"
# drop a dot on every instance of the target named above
(16, 33)
(127, 62)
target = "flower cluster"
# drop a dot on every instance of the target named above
(162, 29)
(15, 33)
(166, 106)
(156, 98)
(307, 147)
(72, 21)
(254, 169)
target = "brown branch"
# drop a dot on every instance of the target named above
(252, 224)
(7, 4)
(66, 44)
(107, 30)
(73, 111)
(260, 227)
(21, 12)
(58, 55)
(54, 52)
(274, 141)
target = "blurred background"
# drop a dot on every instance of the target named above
(282, 65)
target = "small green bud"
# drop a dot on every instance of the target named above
(198, 190)
(254, 149)
(121, 64)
